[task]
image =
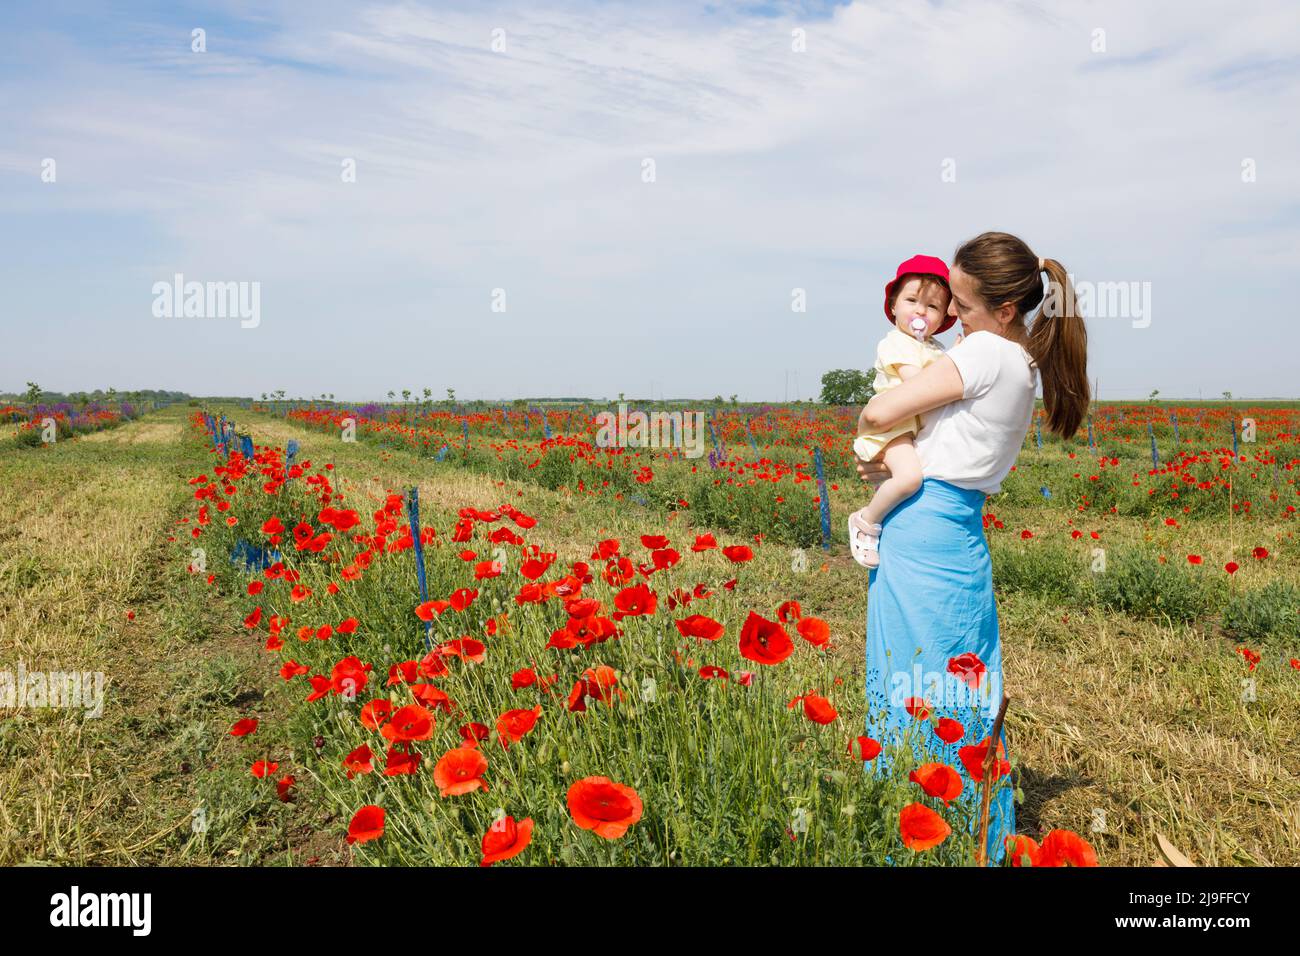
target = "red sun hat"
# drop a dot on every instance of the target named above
(920, 265)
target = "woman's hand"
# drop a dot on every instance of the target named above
(872, 471)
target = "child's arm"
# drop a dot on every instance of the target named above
(907, 371)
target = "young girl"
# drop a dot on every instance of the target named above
(916, 302)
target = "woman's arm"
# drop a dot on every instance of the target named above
(937, 384)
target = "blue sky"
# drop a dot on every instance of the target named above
(522, 169)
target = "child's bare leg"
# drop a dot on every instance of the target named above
(903, 481)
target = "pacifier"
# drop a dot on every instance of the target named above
(918, 326)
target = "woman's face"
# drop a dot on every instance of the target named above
(971, 310)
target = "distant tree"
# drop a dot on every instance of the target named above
(33, 395)
(1227, 396)
(847, 386)
(1152, 396)
(451, 396)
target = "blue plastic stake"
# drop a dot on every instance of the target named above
(413, 513)
(825, 500)
(1155, 457)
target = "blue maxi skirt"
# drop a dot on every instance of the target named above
(930, 601)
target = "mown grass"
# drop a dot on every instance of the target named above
(84, 528)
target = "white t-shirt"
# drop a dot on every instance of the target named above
(974, 441)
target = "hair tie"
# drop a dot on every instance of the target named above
(1041, 267)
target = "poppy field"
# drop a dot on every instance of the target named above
(479, 638)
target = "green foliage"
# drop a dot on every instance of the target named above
(1136, 582)
(847, 386)
(1272, 611)
(1040, 569)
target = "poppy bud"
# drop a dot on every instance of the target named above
(318, 742)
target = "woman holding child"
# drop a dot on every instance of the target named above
(939, 436)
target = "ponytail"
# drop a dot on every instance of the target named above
(1006, 271)
(1058, 341)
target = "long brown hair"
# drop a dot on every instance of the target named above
(1005, 270)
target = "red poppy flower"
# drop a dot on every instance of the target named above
(367, 824)
(359, 761)
(376, 713)
(604, 807)
(462, 598)
(1231, 567)
(513, 724)
(599, 683)
(1063, 848)
(710, 672)
(460, 771)
(505, 839)
(973, 756)
(1019, 847)
(788, 610)
(284, 787)
(263, 768)
(704, 542)
(434, 698)
(816, 708)
(243, 728)
(1193, 559)
(320, 686)
(291, 669)
(411, 722)
(652, 542)
(814, 630)
(864, 748)
(487, 569)
(738, 553)
(938, 780)
(1260, 553)
(697, 625)
(764, 641)
(400, 763)
(349, 676)
(431, 609)
(466, 648)
(634, 601)
(921, 828)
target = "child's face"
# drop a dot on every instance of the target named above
(929, 300)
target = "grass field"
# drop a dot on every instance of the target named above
(1134, 711)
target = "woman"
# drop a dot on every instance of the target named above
(930, 602)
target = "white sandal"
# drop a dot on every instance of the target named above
(865, 549)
